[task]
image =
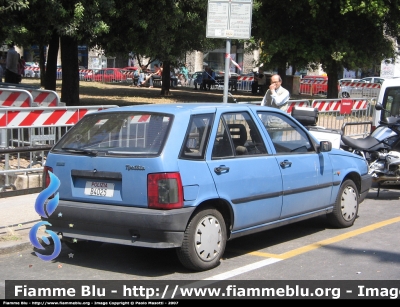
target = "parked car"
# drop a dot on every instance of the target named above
(344, 89)
(312, 85)
(220, 79)
(191, 176)
(32, 70)
(130, 68)
(356, 89)
(373, 80)
(107, 75)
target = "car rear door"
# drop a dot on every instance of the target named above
(244, 172)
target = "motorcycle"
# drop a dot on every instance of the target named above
(381, 150)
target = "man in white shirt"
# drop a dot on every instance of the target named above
(277, 96)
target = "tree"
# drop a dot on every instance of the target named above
(70, 21)
(163, 30)
(326, 32)
(120, 26)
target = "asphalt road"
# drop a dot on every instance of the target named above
(308, 250)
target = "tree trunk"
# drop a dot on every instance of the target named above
(42, 65)
(282, 73)
(294, 69)
(332, 72)
(70, 71)
(50, 70)
(166, 80)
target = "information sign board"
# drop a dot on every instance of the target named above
(229, 19)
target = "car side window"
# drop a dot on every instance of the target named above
(285, 134)
(237, 136)
(197, 135)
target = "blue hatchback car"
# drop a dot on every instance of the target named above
(191, 176)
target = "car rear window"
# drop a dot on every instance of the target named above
(117, 134)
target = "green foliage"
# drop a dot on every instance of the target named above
(14, 5)
(158, 29)
(336, 34)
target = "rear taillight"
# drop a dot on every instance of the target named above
(46, 176)
(164, 191)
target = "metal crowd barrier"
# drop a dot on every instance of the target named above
(28, 97)
(25, 131)
(313, 87)
(244, 83)
(360, 89)
(333, 115)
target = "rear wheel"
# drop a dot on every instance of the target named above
(345, 95)
(204, 241)
(83, 246)
(346, 207)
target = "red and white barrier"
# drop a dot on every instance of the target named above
(334, 105)
(297, 103)
(15, 98)
(359, 89)
(44, 116)
(45, 98)
(362, 84)
(245, 78)
(32, 68)
(313, 87)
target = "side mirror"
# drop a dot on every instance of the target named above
(379, 107)
(325, 146)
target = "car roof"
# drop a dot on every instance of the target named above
(349, 80)
(190, 107)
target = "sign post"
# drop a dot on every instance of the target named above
(229, 19)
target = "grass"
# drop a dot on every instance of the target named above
(96, 93)
(11, 235)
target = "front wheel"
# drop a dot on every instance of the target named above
(204, 241)
(346, 206)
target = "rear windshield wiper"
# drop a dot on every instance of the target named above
(88, 152)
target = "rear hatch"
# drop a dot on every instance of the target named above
(106, 157)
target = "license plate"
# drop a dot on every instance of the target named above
(102, 189)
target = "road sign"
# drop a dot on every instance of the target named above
(229, 19)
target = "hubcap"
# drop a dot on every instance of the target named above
(349, 203)
(208, 238)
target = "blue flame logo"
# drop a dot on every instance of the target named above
(46, 212)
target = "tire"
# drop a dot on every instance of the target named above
(345, 95)
(204, 241)
(346, 206)
(83, 246)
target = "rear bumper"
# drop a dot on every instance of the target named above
(366, 183)
(120, 225)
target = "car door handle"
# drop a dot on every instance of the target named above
(221, 169)
(285, 164)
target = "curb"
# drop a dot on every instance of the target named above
(12, 247)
